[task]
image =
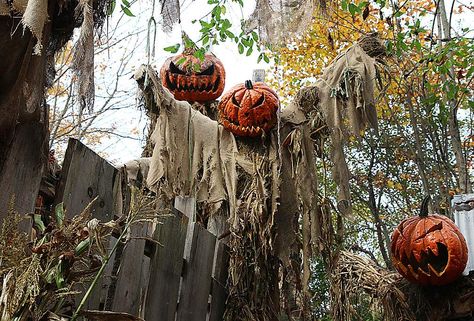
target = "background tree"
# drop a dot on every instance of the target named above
(425, 107)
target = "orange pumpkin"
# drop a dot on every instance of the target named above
(429, 249)
(248, 109)
(188, 78)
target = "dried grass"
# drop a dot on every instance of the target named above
(356, 276)
(38, 277)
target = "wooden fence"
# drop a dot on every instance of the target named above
(175, 272)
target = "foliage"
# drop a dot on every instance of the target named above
(38, 276)
(425, 107)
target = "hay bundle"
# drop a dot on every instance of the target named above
(355, 276)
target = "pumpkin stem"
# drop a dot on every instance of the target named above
(424, 206)
(248, 84)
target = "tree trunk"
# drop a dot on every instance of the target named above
(464, 183)
(23, 116)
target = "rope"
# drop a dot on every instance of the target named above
(151, 22)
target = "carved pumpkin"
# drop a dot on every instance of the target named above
(248, 109)
(188, 78)
(429, 249)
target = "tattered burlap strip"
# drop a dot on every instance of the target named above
(35, 15)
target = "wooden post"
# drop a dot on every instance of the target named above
(463, 208)
(258, 75)
(187, 206)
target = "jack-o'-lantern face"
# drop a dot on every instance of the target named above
(429, 249)
(249, 110)
(188, 78)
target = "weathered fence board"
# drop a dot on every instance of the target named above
(166, 268)
(129, 286)
(169, 281)
(219, 280)
(85, 176)
(193, 303)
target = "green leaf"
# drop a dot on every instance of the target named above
(181, 60)
(59, 277)
(111, 7)
(249, 51)
(344, 5)
(217, 12)
(205, 39)
(223, 9)
(82, 247)
(38, 223)
(399, 14)
(266, 59)
(127, 11)
(172, 49)
(188, 43)
(241, 48)
(229, 34)
(254, 36)
(199, 54)
(259, 57)
(126, 3)
(59, 214)
(353, 9)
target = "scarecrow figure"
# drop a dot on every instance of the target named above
(262, 186)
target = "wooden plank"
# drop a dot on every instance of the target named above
(145, 279)
(21, 174)
(219, 280)
(129, 285)
(85, 176)
(194, 298)
(187, 206)
(166, 268)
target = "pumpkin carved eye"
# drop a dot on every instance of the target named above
(207, 72)
(249, 110)
(186, 82)
(175, 70)
(429, 249)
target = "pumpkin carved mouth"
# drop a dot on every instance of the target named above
(431, 261)
(249, 110)
(175, 82)
(193, 80)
